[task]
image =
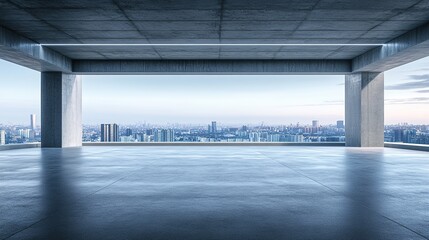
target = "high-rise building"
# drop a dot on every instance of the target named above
(24, 133)
(315, 126)
(214, 127)
(315, 123)
(340, 124)
(163, 135)
(255, 137)
(109, 132)
(273, 138)
(2, 137)
(398, 135)
(128, 132)
(167, 135)
(157, 135)
(33, 121)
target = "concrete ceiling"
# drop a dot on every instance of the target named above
(216, 21)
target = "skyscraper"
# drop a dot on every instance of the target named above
(33, 121)
(315, 123)
(163, 135)
(128, 132)
(167, 135)
(214, 127)
(340, 124)
(157, 135)
(315, 126)
(2, 137)
(109, 132)
(399, 135)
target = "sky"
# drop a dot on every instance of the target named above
(230, 100)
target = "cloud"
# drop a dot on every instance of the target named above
(417, 82)
(392, 101)
(423, 91)
(416, 100)
(420, 77)
(420, 70)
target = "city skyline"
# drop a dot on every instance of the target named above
(235, 100)
(314, 132)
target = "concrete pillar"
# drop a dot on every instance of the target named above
(61, 110)
(365, 109)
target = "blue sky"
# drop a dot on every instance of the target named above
(227, 99)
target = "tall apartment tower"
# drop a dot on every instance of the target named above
(315, 126)
(163, 135)
(340, 124)
(168, 135)
(109, 132)
(214, 127)
(315, 123)
(33, 121)
(128, 132)
(2, 137)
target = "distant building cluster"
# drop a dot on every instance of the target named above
(213, 133)
(16, 134)
(313, 132)
(418, 134)
(110, 133)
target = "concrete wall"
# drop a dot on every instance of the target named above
(364, 103)
(61, 110)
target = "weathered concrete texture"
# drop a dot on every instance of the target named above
(61, 110)
(212, 67)
(406, 48)
(207, 193)
(196, 21)
(20, 50)
(364, 103)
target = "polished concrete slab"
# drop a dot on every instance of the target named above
(218, 192)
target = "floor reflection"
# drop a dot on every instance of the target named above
(363, 188)
(217, 193)
(60, 194)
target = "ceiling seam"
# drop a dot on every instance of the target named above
(400, 12)
(298, 26)
(41, 20)
(135, 26)
(220, 27)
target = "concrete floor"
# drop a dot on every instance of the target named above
(214, 193)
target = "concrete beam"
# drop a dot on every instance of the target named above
(404, 49)
(364, 109)
(28, 53)
(61, 110)
(218, 67)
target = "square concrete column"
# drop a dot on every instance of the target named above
(364, 109)
(61, 110)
